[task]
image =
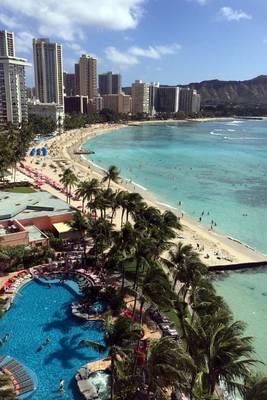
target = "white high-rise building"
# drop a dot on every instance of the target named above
(140, 97)
(48, 71)
(13, 94)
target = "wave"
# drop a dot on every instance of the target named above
(167, 205)
(91, 162)
(216, 134)
(140, 186)
(241, 138)
(231, 130)
(236, 122)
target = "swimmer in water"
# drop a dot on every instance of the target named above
(61, 385)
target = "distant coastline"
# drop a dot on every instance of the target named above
(193, 232)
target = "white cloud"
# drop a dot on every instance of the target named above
(155, 52)
(132, 55)
(8, 21)
(23, 42)
(61, 18)
(233, 15)
(202, 2)
(117, 57)
(77, 48)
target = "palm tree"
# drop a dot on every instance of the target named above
(79, 223)
(6, 388)
(81, 191)
(188, 268)
(120, 337)
(121, 199)
(168, 366)
(68, 179)
(220, 352)
(254, 388)
(112, 174)
(122, 251)
(101, 233)
(171, 220)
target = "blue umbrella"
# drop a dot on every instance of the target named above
(44, 150)
(32, 152)
(38, 152)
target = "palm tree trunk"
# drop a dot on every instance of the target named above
(112, 377)
(122, 215)
(123, 278)
(109, 183)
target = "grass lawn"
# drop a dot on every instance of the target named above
(20, 189)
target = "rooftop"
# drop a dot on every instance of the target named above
(30, 205)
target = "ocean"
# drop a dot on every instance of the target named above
(217, 167)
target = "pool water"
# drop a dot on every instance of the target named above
(39, 313)
(101, 380)
(98, 307)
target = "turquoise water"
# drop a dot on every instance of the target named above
(215, 167)
(218, 167)
(246, 294)
(38, 313)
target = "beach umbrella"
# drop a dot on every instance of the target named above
(44, 150)
(38, 152)
(32, 152)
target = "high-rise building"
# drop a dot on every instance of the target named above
(119, 103)
(189, 101)
(109, 83)
(116, 83)
(76, 104)
(13, 93)
(196, 102)
(77, 78)
(153, 90)
(48, 70)
(88, 76)
(7, 44)
(69, 84)
(140, 97)
(167, 99)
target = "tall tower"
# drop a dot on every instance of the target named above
(88, 76)
(7, 44)
(109, 83)
(13, 95)
(140, 97)
(48, 70)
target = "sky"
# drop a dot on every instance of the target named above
(170, 41)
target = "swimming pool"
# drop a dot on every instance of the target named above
(39, 313)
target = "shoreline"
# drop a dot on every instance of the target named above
(222, 248)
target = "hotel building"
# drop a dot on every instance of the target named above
(13, 93)
(140, 97)
(48, 70)
(109, 83)
(88, 76)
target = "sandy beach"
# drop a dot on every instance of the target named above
(219, 248)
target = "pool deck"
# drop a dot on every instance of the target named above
(99, 365)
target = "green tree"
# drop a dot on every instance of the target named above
(187, 267)
(168, 366)
(80, 224)
(6, 388)
(68, 179)
(255, 387)
(112, 174)
(120, 338)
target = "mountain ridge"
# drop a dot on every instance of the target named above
(213, 92)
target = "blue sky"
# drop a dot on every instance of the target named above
(171, 41)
